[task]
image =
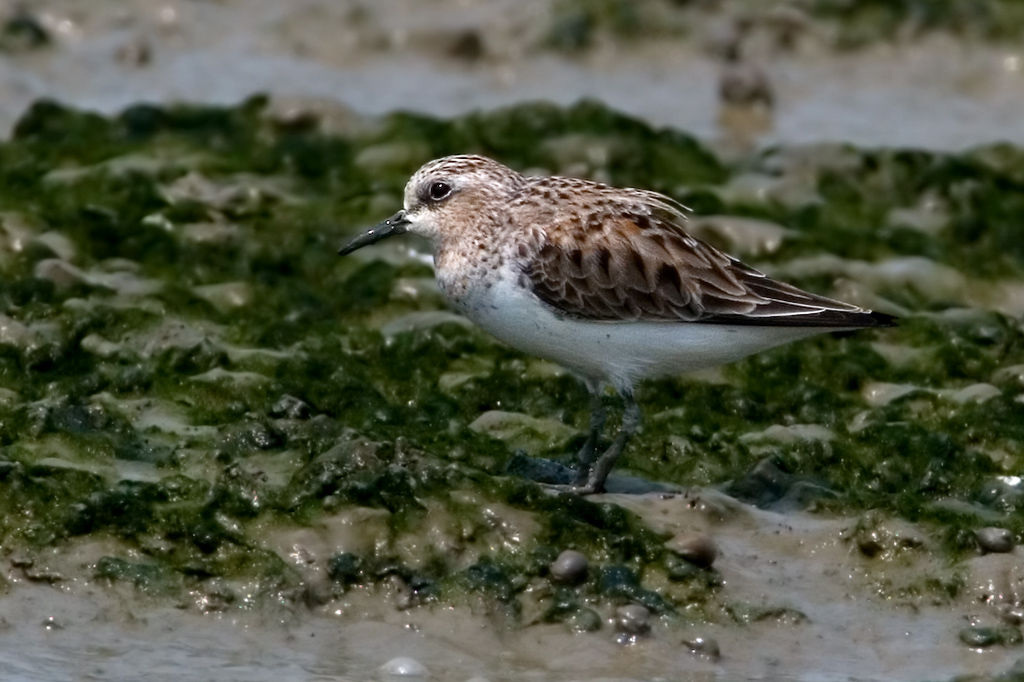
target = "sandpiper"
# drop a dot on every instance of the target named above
(602, 280)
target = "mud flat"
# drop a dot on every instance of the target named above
(803, 603)
(226, 453)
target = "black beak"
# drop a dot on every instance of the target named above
(396, 224)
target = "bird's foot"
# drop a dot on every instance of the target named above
(581, 480)
(574, 489)
(584, 483)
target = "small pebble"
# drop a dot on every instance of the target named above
(994, 540)
(879, 537)
(569, 567)
(978, 636)
(584, 620)
(704, 647)
(697, 548)
(633, 619)
(403, 666)
(981, 637)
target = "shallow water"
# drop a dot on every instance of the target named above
(801, 562)
(936, 92)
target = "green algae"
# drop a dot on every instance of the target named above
(865, 22)
(183, 429)
(576, 25)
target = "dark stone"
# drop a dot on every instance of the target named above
(994, 540)
(704, 647)
(633, 619)
(982, 637)
(697, 548)
(569, 567)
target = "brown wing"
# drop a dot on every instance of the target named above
(631, 260)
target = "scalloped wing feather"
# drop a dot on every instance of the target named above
(629, 258)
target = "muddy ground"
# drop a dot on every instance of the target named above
(225, 453)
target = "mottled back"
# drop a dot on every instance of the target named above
(623, 254)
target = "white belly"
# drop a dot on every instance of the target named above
(621, 353)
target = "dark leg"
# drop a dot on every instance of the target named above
(591, 479)
(588, 452)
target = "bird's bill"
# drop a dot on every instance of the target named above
(396, 224)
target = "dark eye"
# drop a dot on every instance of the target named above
(439, 190)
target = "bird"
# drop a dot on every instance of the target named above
(602, 280)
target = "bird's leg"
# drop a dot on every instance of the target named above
(588, 452)
(591, 479)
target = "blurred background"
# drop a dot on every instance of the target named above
(913, 73)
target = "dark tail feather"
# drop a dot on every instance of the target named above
(861, 319)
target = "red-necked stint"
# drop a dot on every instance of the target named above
(602, 280)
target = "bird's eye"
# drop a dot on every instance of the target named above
(439, 190)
